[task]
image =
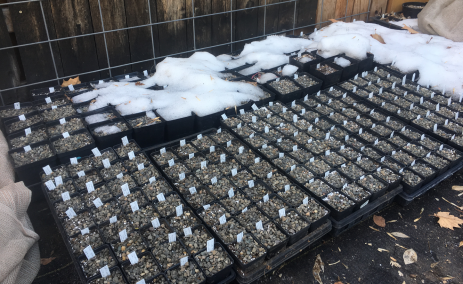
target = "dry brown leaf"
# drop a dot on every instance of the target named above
(393, 258)
(410, 256)
(457, 187)
(334, 263)
(378, 38)
(392, 221)
(139, 84)
(338, 282)
(45, 261)
(381, 250)
(317, 268)
(400, 246)
(400, 235)
(374, 228)
(400, 273)
(416, 220)
(447, 278)
(71, 81)
(412, 31)
(395, 264)
(461, 244)
(379, 221)
(448, 221)
(459, 207)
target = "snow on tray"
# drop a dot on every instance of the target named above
(438, 59)
(107, 130)
(341, 61)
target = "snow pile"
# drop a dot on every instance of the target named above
(412, 23)
(264, 78)
(95, 118)
(107, 130)
(438, 59)
(289, 70)
(341, 61)
(150, 114)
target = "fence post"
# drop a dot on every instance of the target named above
(104, 37)
(49, 44)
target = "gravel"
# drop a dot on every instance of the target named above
(214, 261)
(134, 242)
(169, 254)
(92, 267)
(37, 153)
(319, 188)
(155, 236)
(312, 211)
(197, 240)
(371, 183)
(291, 223)
(106, 211)
(247, 250)
(145, 268)
(71, 125)
(142, 176)
(58, 113)
(98, 161)
(73, 142)
(189, 273)
(338, 201)
(34, 137)
(355, 192)
(113, 171)
(410, 178)
(115, 184)
(21, 124)
(80, 242)
(75, 225)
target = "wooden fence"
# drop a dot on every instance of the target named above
(89, 49)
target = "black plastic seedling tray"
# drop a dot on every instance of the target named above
(220, 275)
(330, 79)
(107, 141)
(180, 127)
(285, 98)
(364, 213)
(147, 135)
(366, 64)
(268, 265)
(81, 152)
(404, 198)
(304, 67)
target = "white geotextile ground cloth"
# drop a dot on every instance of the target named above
(444, 18)
(19, 248)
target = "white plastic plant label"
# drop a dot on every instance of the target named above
(89, 253)
(219, 130)
(183, 261)
(240, 151)
(50, 185)
(17, 105)
(131, 155)
(113, 219)
(287, 187)
(305, 201)
(224, 116)
(435, 127)
(327, 152)
(239, 237)
(104, 271)
(284, 110)
(179, 210)
(96, 152)
(171, 162)
(207, 206)
(187, 231)
(106, 163)
(161, 197)
(71, 213)
(222, 158)
(210, 245)
(90, 187)
(244, 210)
(254, 107)
(269, 175)
(27, 148)
(257, 160)
(172, 237)
(27, 131)
(327, 173)
(66, 135)
(97, 202)
(125, 141)
(162, 151)
(254, 119)
(251, 183)
(133, 258)
(141, 166)
(214, 180)
(125, 189)
(282, 212)
(229, 143)
(203, 164)
(231, 193)
(155, 223)
(234, 172)
(242, 111)
(222, 219)
(58, 180)
(182, 142)
(294, 118)
(266, 198)
(192, 190)
(145, 73)
(134, 206)
(120, 175)
(22, 117)
(212, 149)
(85, 231)
(81, 174)
(73, 161)
(281, 155)
(200, 136)
(65, 196)
(441, 147)
(327, 136)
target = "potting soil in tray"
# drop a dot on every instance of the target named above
(187, 219)
(83, 164)
(351, 170)
(370, 183)
(284, 86)
(291, 222)
(197, 240)
(199, 198)
(112, 171)
(312, 211)
(37, 153)
(188, 273)
(92, 266)
(132, 165)
(294, 195)
(71, 125)
(318, 166)
(34, 137)
(80, 242)
(270, 236)
(155, 236)
(411, 178)
(256, 192)
(338, 201)
(21, 124)
(227, 232)
(143, 121)
(73, 142)
(335, 179)
(10, 112)
(449, 154)
(124, 150)
(214, 261)
(169, 254)
(247, 250)
(110, 129)
(126, 200)
(145, 268)
(66, 186)
(57, 113)
(74, 202)
(355, 192)
(106, 211)
(114, 277)
(78, 223)
(167, 207)
(272, 206)
(56, 172)
(98, 161)
(101, 192)
(301, 174)
(133, 243)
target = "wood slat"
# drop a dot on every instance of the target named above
(203, 26)
(140, 39)
(172, 36)
(117, 42)
(285, 16)
(220, 30)
(306, 14)
(378, 7)
(29, 27)
(78, 55)
(245, 22)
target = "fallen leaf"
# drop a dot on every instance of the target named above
(347, 267)
(317, 268)
(410, 256)
(399, 235)
(381, 250)
(461, 208)
(400, 215)
(334, 263)
(400, 273)
(45, 261)
(374, 228)
(393, 258)
(389, 234)
(139, 84)
(379, 221)
(422, 209)
(447, 278)
(416, 220)
(412, 31)
(197, 98)
(395, 264)
(457, 187)
(400, 246)
(461, 244)
(448, 221)
(338, 282)
(434, 264)
(378, 38)
(392, 221)
(71, 81)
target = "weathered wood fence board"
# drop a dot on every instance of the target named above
(83, 54)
